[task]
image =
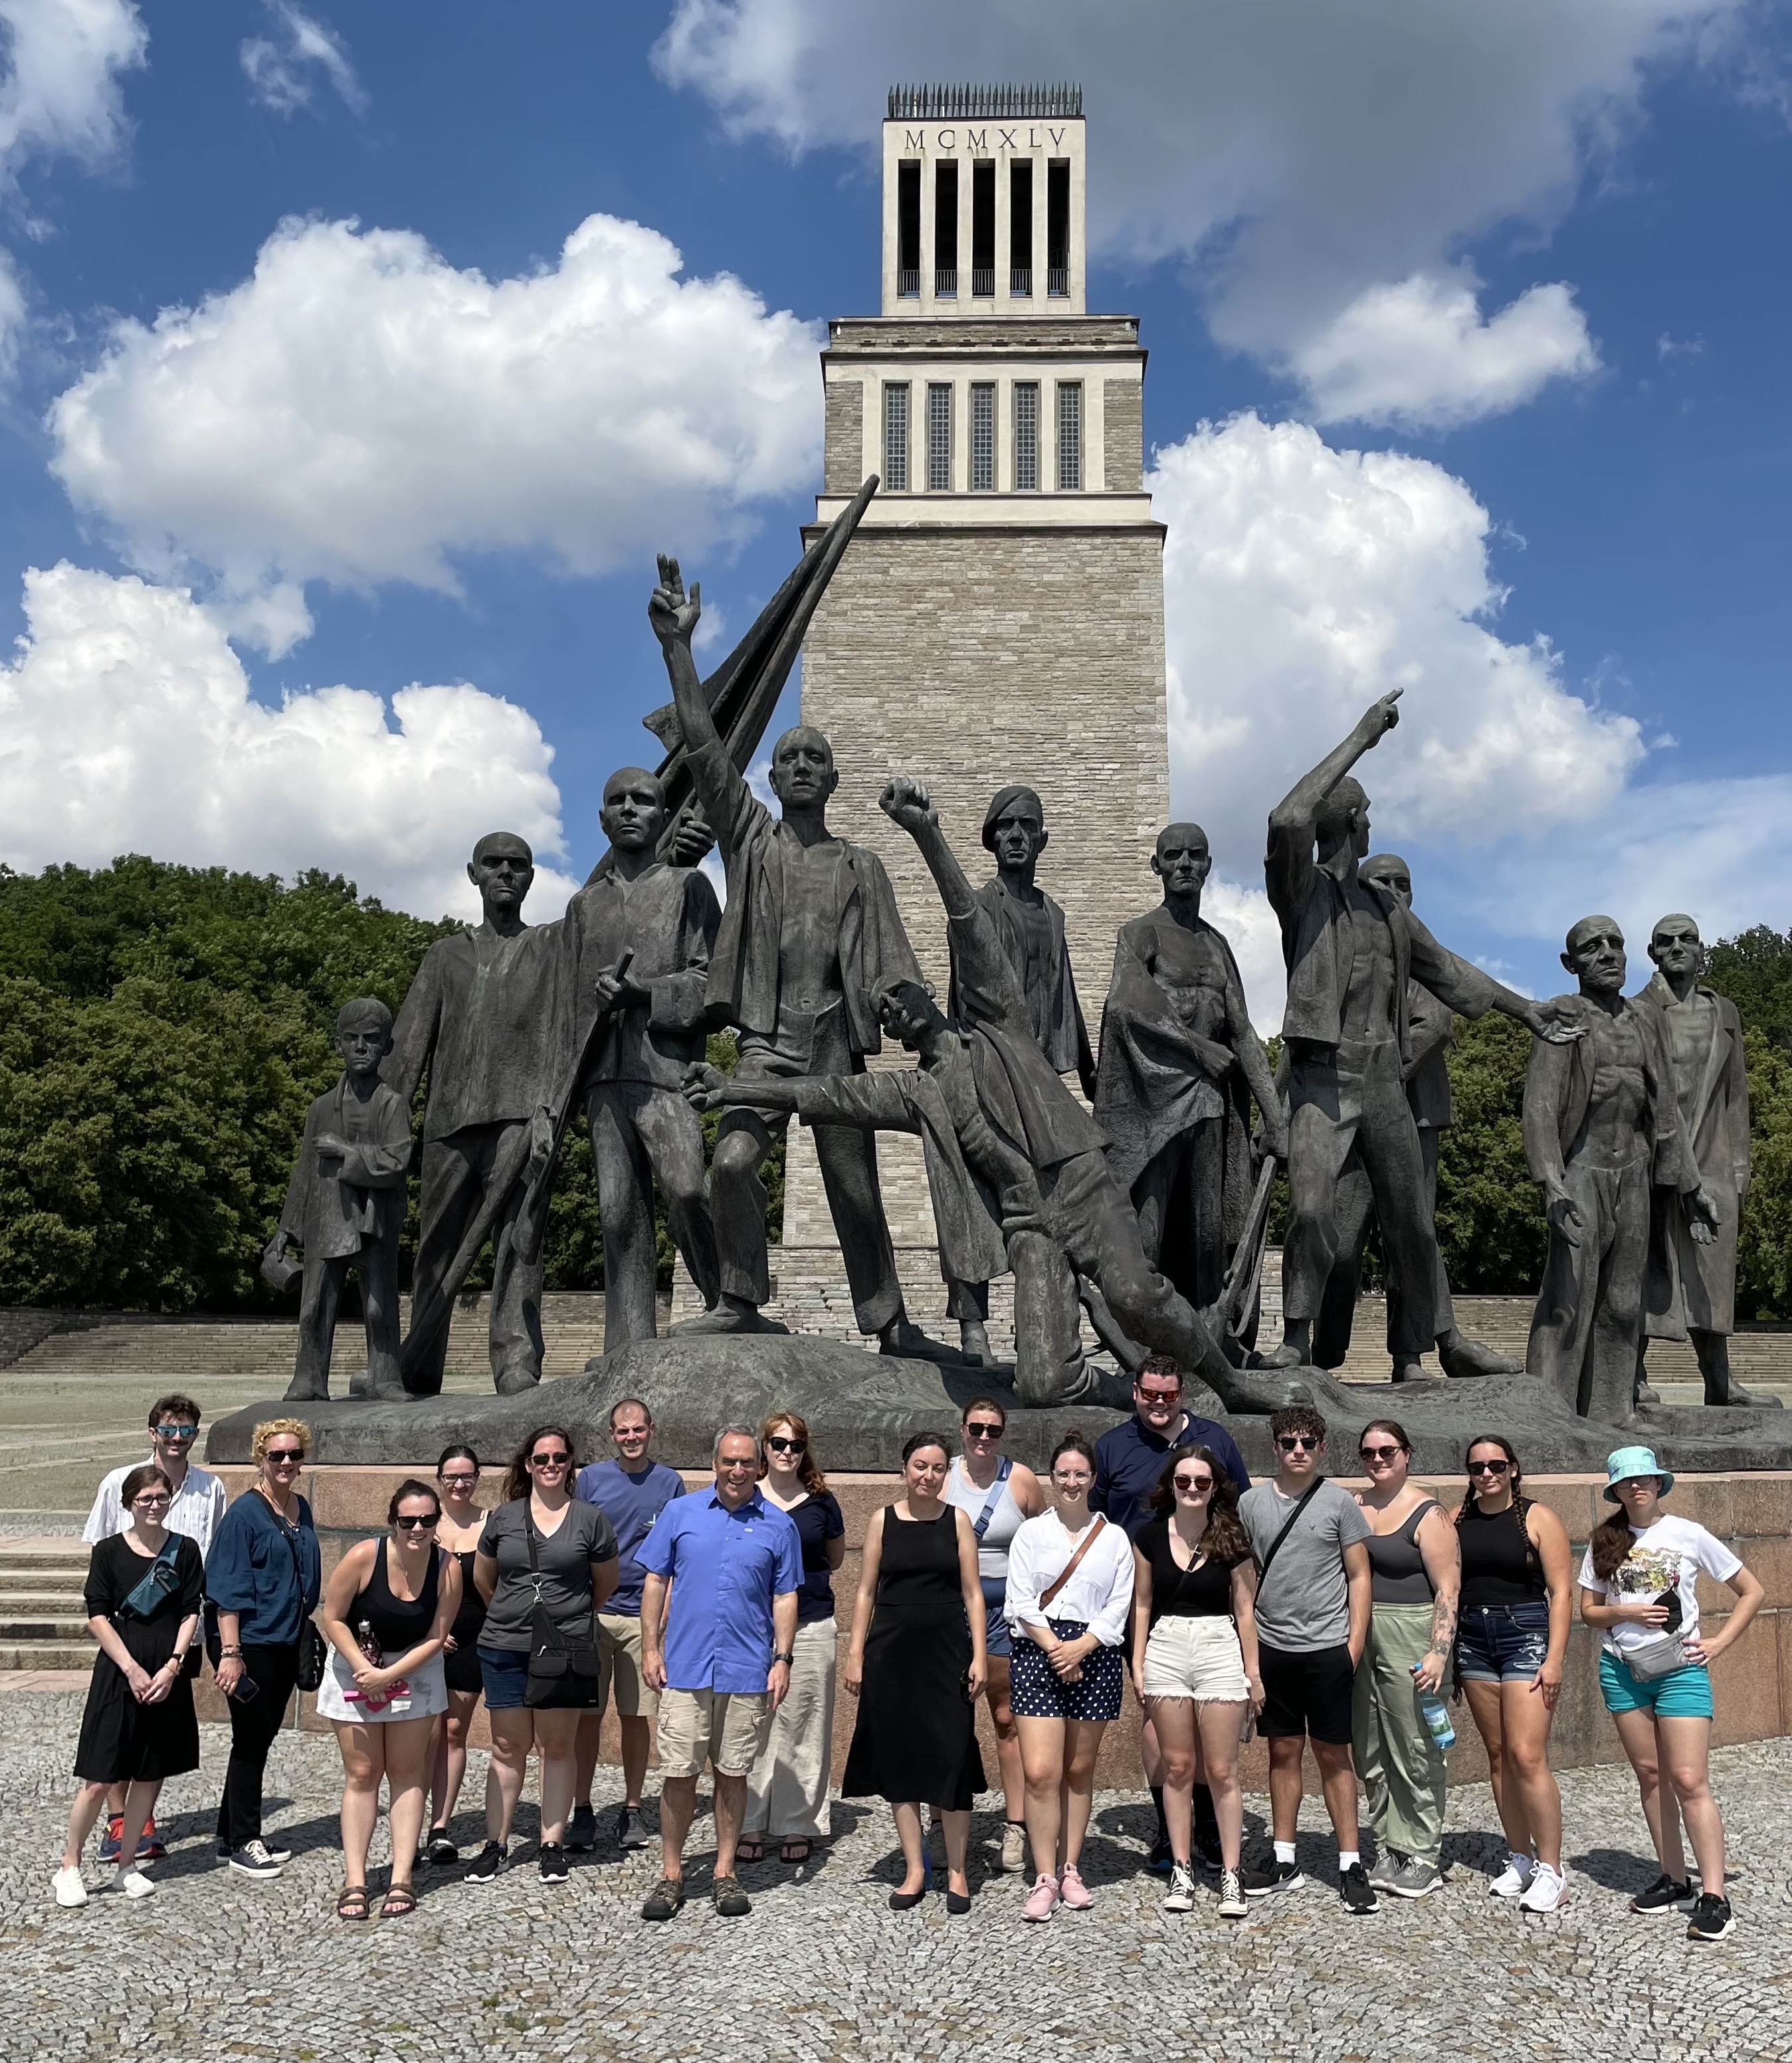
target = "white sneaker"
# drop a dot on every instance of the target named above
(1514, 1880)
(134, 1884)
(1546, 1892)
(1014, 1848)
(69, 1889)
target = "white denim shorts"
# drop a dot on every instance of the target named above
(1195, 1658)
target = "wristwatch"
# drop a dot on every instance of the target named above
(788, 1660)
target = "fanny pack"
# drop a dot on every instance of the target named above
(159, 1580)
(563, 1671)
(1659, 1657)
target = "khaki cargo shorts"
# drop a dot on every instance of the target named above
(619, 1662)
(727, 1728)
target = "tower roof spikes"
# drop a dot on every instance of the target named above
(980, 103)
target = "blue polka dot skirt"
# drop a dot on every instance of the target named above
(1037, 1691)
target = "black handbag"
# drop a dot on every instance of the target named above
(565, 1672)
(312, 1653)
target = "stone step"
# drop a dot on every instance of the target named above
(15, 1625)
(38, 1655)
(15, 1604)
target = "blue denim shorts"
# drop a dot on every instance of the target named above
(998, 1637)
(505, 1677)
(1502, 1643)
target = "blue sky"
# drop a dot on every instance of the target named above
(1530, 260)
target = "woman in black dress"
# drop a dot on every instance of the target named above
(145, 1587)
(462, 1527)
(916, 1665)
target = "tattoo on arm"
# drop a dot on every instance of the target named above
(1443, 1625)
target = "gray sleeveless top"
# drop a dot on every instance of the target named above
(1396, 1566)
(1005, 1521)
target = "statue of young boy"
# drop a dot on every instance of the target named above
(345, 1208)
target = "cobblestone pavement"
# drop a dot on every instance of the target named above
(216, 1965)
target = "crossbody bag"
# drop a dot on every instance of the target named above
(562, 1672)
(1311, 1491)
(312, 1653)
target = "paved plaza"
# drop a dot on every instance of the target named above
(217, 1966)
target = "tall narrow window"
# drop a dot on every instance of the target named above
(1020, 226)
(1069, 436)
(939, 439)
(945, 227)
(1027, 435)
(982, 438)
(896, 439)
(1057, 226)
(908, 227)
(982, 228)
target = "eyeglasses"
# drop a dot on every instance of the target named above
(779, 1445)
(549, 1461)
(174, 1432)
(458, 1482)
(1193, 1483)
(981, 1429)
(414, 1525)
(285, 1458)
(1380, 1454)
(150, 1500)
(1488, 1468)
(1071, 1477)
(1293, 1443)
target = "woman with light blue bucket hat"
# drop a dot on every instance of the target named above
(1639, 1587)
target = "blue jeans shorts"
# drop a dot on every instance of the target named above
(1503, 1643)
(506, 1677)
(1682, 1694)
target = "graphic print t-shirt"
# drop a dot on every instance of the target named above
(1666, 1556)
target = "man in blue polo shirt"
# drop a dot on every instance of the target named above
(631, 1490)
(1129, 1459)
(720, 1657)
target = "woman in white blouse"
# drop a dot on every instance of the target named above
(1069, 1593)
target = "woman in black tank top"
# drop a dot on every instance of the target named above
(460, 1530)
(1517, 1603)
(387, 1607)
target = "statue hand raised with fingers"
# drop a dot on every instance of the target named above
(673, 613)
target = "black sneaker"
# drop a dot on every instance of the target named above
(1266, 1879)
(664, 1900)
(553, 1863)
(581, 1830)
(277, 1850)
(1663, 1896)
(253, 1859)
(1160, 1862)
(1356, 1892)
(489, 1865)
(442, 1850)
(1712, 1919)
(629, 1832)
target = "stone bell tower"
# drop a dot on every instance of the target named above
(998, 616)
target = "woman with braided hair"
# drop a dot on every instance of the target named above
(1517, 1606)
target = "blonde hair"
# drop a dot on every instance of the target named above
(272, 1428)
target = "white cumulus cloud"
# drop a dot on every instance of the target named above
(1423, 355)
(1302, 153)
(127, 725)
(285, 70)
(59, 95)
(359, 410)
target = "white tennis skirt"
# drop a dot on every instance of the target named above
(1195, 1658)
(426, 1694)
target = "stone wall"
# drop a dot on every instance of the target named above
(1123, 445)
(844, 447)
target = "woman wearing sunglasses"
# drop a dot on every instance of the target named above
(1069, 1605)
(145, 1587)
(1195, 1659)
(1639, 1587)
(1517, 1605)
(387, 1607)
(787, 1791)
(265, 1575)
(459, 1531)
(543, 1552)
(998, 1495)
(1416, 1579)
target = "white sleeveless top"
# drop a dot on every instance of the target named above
(1005, 1521)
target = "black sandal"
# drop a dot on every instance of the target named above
(399, 1900)
(352, 1902)
(796, 1851)
(749, 1848)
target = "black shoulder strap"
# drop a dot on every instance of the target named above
(1276, 1545)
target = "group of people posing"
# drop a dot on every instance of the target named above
(1293, 1606)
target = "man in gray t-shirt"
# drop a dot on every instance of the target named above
(1312, 1619)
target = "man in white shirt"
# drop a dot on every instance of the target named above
(198, 1506)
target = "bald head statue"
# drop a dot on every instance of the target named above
(1595, 955)
(1678, 951)
(501, 869)
(803, 774)
(1343, 820)
(1388, 870)
(634, 813)
(1182, 862)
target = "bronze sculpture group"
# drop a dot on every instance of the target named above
(1143, 1201)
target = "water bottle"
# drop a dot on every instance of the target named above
(1436, 1718)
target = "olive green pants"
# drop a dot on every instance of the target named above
(1400, 1767)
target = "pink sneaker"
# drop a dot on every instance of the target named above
(1041, 1898)
(1073, 1891)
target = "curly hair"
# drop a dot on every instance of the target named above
(1225, 1538)
(272, 1428)
(813, 1480)
(1297, 1418)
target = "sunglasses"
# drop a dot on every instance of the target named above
(1193, 1483)
(458, 1482)
(285, 1458)
(1488, 1468)
(174, 1432)
(549, 1461)
(414, 1525)
(1290, 1443)
(779, 1445)
(1158, 1396)
(1380, 1454)
(982, 1431)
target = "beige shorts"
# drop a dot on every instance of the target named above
(726, 1728)
(1195, 1658)
(619, 1659)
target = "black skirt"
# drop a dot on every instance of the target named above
(121, 1740)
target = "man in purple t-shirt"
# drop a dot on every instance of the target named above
(631, 1491)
